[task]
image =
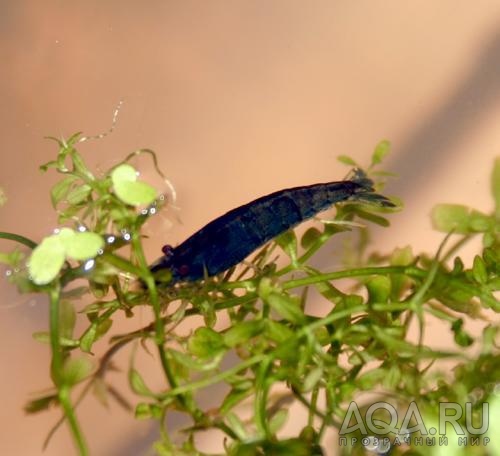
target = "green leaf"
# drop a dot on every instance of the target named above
(145, 411)
(41, 403)
(131, 192)
(77, 159)
(195, 364)
(61, 189)
(123, 173)
(480, 223)
(451, 217)
(310, 237)
(461, 337)
(242, 333)
(206, 343)
(79, 194)
(346, 160)
(233, 398)
(278, 420)
(381, 150)
(88, 338)
(278, 332)
(13, 258)
(81, 246)
(76, 370)
(135, 193)
(237, 426)
(479, 271)
(312, 379)
(370, 216)
(379, 289)
(460, 219)
(94, 332)
(288, 242)
(46, 260)
(287, 306)
(137, 383)
(41, 336)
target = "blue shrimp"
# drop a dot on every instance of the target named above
(230, 238)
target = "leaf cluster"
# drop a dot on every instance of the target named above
(261, 339)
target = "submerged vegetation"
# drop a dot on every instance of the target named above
(260, 338)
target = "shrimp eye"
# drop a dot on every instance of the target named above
(184, 270)
(168, 251)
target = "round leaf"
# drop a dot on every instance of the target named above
(123, 173)
(82, 246)
(206, 343)
(124, 179)
(76, 370)
(135, 193)
(46, 260)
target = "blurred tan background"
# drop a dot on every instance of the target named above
(238, 98)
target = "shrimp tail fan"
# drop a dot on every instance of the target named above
(366, 192)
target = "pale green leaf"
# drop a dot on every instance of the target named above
(135, 193)
(75, 370)
(82, 246)
(46, 260)
(381, 150)
(123, 173)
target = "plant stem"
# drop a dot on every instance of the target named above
(63, 390)
(407, 270)
(18, 238)
(65, 399)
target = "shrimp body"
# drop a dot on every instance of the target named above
(230, 238)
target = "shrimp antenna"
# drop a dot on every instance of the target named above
(113, 125)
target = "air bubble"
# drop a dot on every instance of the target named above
(89, 264)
